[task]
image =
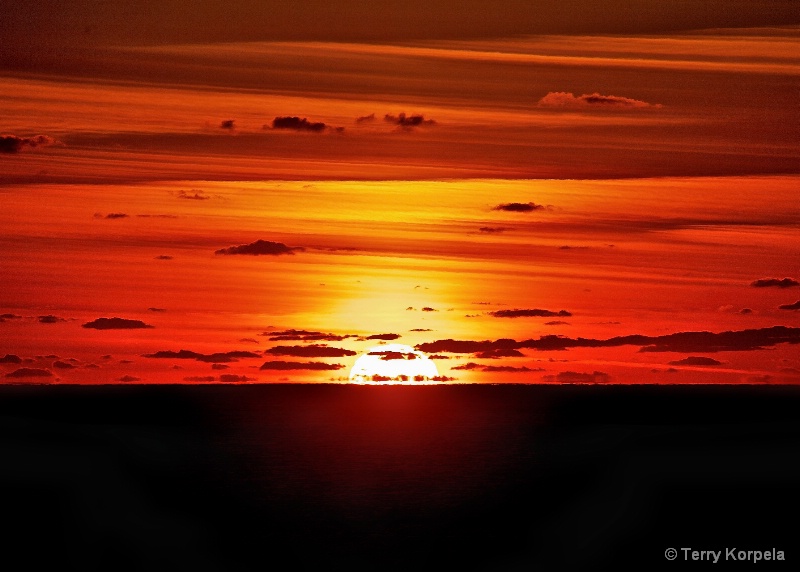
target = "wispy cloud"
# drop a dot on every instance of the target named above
(563, 99)
(260, 247)
(293, 365)
(15, 144)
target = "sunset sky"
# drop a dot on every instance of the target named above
(524, 192)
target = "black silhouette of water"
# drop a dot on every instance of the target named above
(332, 477)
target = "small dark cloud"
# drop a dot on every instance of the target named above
(290, 365)
(10, 358)
(229, 124)
(469, 366)
(508, 369)
(218, 357)
(577, 377)
(568, 247)
(366, 118)
(492, 229)
(438, 356)
(305, 336)
(10, 317)
(50, 319)
(314, 350)
(260, 247)
(775, 282)
(219, 366)
(157, 216)
(116, 324)
(562, 99)
(163, 257)
(297, 124)
(795, 306)
(233, 378)
(532, 313)
(429, 309)
(91, 366)
(404, 120)
(15, 144)
(385, 337)
(745, 311)
(63, 365)
(556, 323)
(113, 216)
(30, 372)
(518, 207)
(695, 360)
(499, 353)
(200, 378)
(390, 355)
(193, 195)
(420, 330)
(157, 309)
(248, 340)
(128, 378)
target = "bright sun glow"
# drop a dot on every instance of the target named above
(393, 363)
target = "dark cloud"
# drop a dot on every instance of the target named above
(248, 340)
(15, 144)
(219, 366)
(200, 378)
(30, 372)
(795, 306)
(62, 365)
(305, 336)
(429, 309)
(163, 257)
(233, 378)
(260, 247)
(556, 323)
(404, 120)
(562, 99)
(10, 358)
(390, 355)
(311, 365)
(116, 324)
(508, 368)
(438, 356)
(681, 342)
(228, 124)
(218, 357)
(157, 309)
(113, 216)
(420, 330)
(499, 353)
(385, 337)
(314, 350)
(4, 317)
(193, 195)
(533, 313)
(518, 207)
(288, 122)
(366, 118)
(745, 311)
(129, 378)
(774, 282)
(696, 360)
(50, 319)
(157, 216)
(492, 229)
(468, 366)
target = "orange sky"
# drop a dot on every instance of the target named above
(637, 184)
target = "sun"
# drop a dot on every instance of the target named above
(393, 363)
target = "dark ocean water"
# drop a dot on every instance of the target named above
(329, 477)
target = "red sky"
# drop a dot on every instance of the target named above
(504, 171)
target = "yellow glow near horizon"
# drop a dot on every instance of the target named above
(393, 363)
